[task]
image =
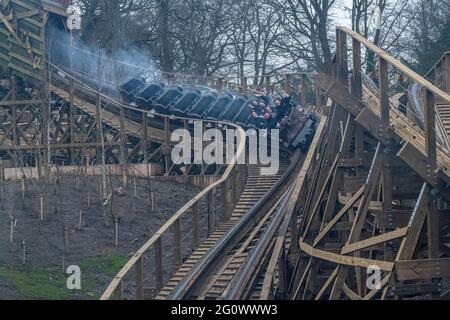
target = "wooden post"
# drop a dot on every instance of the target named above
(220, 85)
(304, 93)
(433, 230)
(2, 171)
(430, 130)
(195, 226)
(116, 232)
(268, 85)
(166, 145)
(12, 222)
(41, 211)
(318, 97)
(212, 210)
(14, 118)
(446, 73)
(144, 140)
(66, 241)
(99, 129)
(341, 52)
(151, 199)
(159, 274)
(384, 92)
(24, 252)
(72, 118)
(80, 224)
(177, 243)
(244, 85)
(123, 144)
(140, 292)
(287, 84)
(357, 76)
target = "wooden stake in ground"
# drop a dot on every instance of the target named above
(3, 198)
(23, 187)
(135, 194)
(80, 225)
(41, 213)
(12, 225)
(66, 241)
(23, 191)
(24, 252)
(116, 232)
(151, 198)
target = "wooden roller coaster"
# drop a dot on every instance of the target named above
(370, 196)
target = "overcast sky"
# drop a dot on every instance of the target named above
(342, 14)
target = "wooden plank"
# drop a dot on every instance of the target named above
(345, 260)
(409, 270)
(416, 289)
(372, 242)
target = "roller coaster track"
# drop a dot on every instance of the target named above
(257, 188)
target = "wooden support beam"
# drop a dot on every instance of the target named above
(339, 216)
(433, 230)
(408, 270)
(383, 70)
(327, 284)
(304, 93)
(372, 242)
(341, 57)
(356, 72)
(345, 260)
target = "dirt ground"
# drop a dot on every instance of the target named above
(92, 247)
